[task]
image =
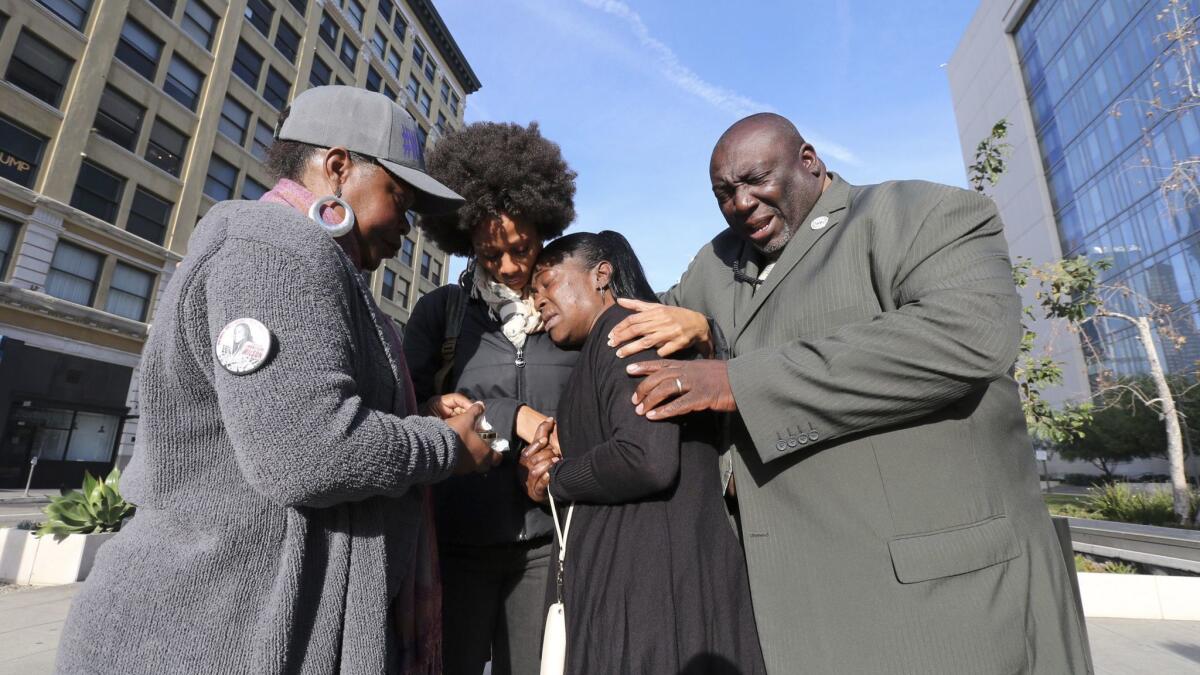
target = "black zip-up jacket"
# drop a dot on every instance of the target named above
(491, 508)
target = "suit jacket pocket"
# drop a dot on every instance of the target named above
(946, 553)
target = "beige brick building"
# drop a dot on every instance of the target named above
(121, 123)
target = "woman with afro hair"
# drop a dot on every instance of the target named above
(483, 340)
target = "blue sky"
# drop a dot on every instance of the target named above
(637, 91)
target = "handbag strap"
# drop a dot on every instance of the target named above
(456, 309)
(562, 533)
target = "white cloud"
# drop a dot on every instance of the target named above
(682, 76)
(688, 80)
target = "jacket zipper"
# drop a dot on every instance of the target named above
(519, 362)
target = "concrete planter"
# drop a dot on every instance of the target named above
(28, 560)
(1140, 596)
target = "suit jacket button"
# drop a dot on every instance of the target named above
(813, 435)
(781, 445)
(791, 442)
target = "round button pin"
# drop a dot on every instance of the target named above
(820, 223)
(243, 346)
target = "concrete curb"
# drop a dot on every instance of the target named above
(1140, 596)
(31, 499)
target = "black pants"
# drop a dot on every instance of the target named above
(493, 607)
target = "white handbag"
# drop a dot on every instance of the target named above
(554, 640)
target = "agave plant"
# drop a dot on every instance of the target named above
(98, 508)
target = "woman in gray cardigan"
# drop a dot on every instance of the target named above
(282, 524)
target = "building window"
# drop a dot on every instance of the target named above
(222, 176)
(403, 288)
(73, 273)
(387, 91)
(441, 123)
(119, 118)
(426, 103)
(276, 89)
(199, 22)
(422, 135)
(183, 82)
(139, 49)
(97, 191)
(320, 73)
(374, 79)
(418, 54)
(287, 40)
(252, 189)
(259, 14)
(264, 136)
(247, 64)
(349, 53)
(430, 70)
(385, 11)
(129, 292)
(445, 91)
(406, 251)
(235, 119)
(328, 30)
(454, 104)
(413, 88)
(426, 259)
(435, 272)
(149, 216)
(393, 63)
(166, 148)
(20, 153)
(399, 25)
(39, 68)
(379, 42)
(8, 243)
(355, 10)
(74, 12)
(300, 5)
(165, 6)
(389, 283)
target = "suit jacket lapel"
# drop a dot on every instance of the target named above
(832, 206)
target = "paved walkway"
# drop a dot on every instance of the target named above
(30, 621)
(18, 496)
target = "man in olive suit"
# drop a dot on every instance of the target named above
(884, 478)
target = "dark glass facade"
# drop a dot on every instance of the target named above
(1090, 68)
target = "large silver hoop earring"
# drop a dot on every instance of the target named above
(334, 229)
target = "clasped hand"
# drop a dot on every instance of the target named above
(461, 415)
(537, 459)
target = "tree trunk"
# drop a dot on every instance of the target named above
(1179, 486)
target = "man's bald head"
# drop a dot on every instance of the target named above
(777, 127)
(766, 179)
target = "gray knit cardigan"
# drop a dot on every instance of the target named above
(274, 518)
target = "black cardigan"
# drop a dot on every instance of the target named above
(490, 508)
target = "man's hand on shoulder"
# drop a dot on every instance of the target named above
(674, 388)
(664, 328)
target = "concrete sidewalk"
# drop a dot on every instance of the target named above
(31, 619)
(35, 496)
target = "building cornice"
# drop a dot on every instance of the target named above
(436, 28)
(62, 310)
(86, 220)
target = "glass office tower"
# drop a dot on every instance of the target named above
(1090, 69)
